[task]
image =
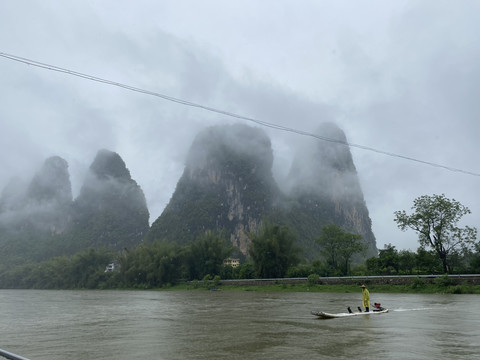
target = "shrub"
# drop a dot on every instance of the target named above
(443, 281)
(417, 283)
(313, 279)
(206, 280)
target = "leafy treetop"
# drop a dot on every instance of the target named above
(435, 219)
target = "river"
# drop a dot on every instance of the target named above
(121, 325)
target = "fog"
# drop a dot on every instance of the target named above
(401, 77)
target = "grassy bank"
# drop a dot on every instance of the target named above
(397, 289)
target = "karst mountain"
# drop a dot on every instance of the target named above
(40, 219)
(227, 185)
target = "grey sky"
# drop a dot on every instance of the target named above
(398, 76)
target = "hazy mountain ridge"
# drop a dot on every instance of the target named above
(41, 219)
(43, 204)
(228, 185)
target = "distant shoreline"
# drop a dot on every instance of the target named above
(414, 284)
(455, 279)
(421, 284)
(394, 289)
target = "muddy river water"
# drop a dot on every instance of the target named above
(118, 325)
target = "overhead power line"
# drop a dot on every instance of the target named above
(223, 112)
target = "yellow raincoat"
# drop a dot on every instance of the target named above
(365, 298)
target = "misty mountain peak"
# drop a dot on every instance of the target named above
(325, 167)
(111, 209)
(323, 178)
(109, 164)
(13, 194)
(221, 145)
(51, 182)
(40, 209)
(334, 153)
(227, 184)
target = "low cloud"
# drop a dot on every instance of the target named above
(399, 76)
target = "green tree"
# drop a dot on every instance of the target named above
(388, 258)
(207, 254)
(246, 271)
(427, 261)
(435, 219)
(338, 247)
(351, 245)
(406, 261)
(273, 251)
(153, 265)
(373, 265)
(474, 260)
(84, 267)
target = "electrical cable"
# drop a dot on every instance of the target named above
(223, 112)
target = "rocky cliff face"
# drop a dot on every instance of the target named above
(227, 185)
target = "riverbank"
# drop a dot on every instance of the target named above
(393, 289)
(454, 284)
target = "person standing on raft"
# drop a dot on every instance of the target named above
(365, 298)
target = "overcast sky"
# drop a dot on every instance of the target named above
(398, 76)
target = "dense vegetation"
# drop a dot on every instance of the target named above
(338, 247)
(273, 251)
(163, 264)
(441, 285)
